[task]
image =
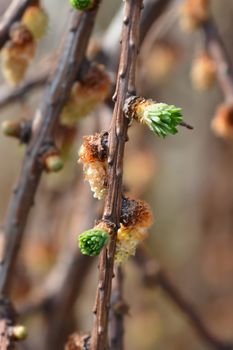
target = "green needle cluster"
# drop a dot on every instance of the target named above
(92, 241)
(161, 118)
(81, 4)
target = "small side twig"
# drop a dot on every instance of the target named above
(117, 139)
(12, 94)
(154, 276)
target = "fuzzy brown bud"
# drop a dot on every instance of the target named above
(78, 341)
(17, 54)
(222, 123)
(86, 94)
(193, 13)
(203, 72)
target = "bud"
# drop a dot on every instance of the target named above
(203, 72)
(53, 163)
(135, 213)
(78, 341)
(193, 13)
(136, 218)
(82, 4)
(222, 123)
(19, 332)
(127, 241)
(92, 241)
(17, 54)
(11, 128)
(161, 118)
(93, 154)
(36, 20)
(86, 94)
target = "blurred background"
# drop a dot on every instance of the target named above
(187, 179)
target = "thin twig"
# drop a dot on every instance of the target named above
(13, 94)
(216, 48)
(117, 139)
(154, 276)
(13, 14)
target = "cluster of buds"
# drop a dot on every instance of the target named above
(136, 218)
(93, 155)
(222, 123)
(161, 118)
(85, 94)
(203, 72)
(82, 4)
(18, 52)
(193, 13)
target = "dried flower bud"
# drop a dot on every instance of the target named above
(161, 118)
(86, 94)
(96, 174)
(193, 13)
(14, 70)
(203, 73)
(19, 332)
(82, 4)
(135, 212)
(222, 123)
(78, 341)
(136, 218)
(36, 20)
(16, 54)
(127, 242)
(20, 34)
(93, 154)
(92, 241)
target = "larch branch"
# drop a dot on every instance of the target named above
(117, 139)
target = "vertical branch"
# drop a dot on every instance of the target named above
(117, 139)
(48, 115)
